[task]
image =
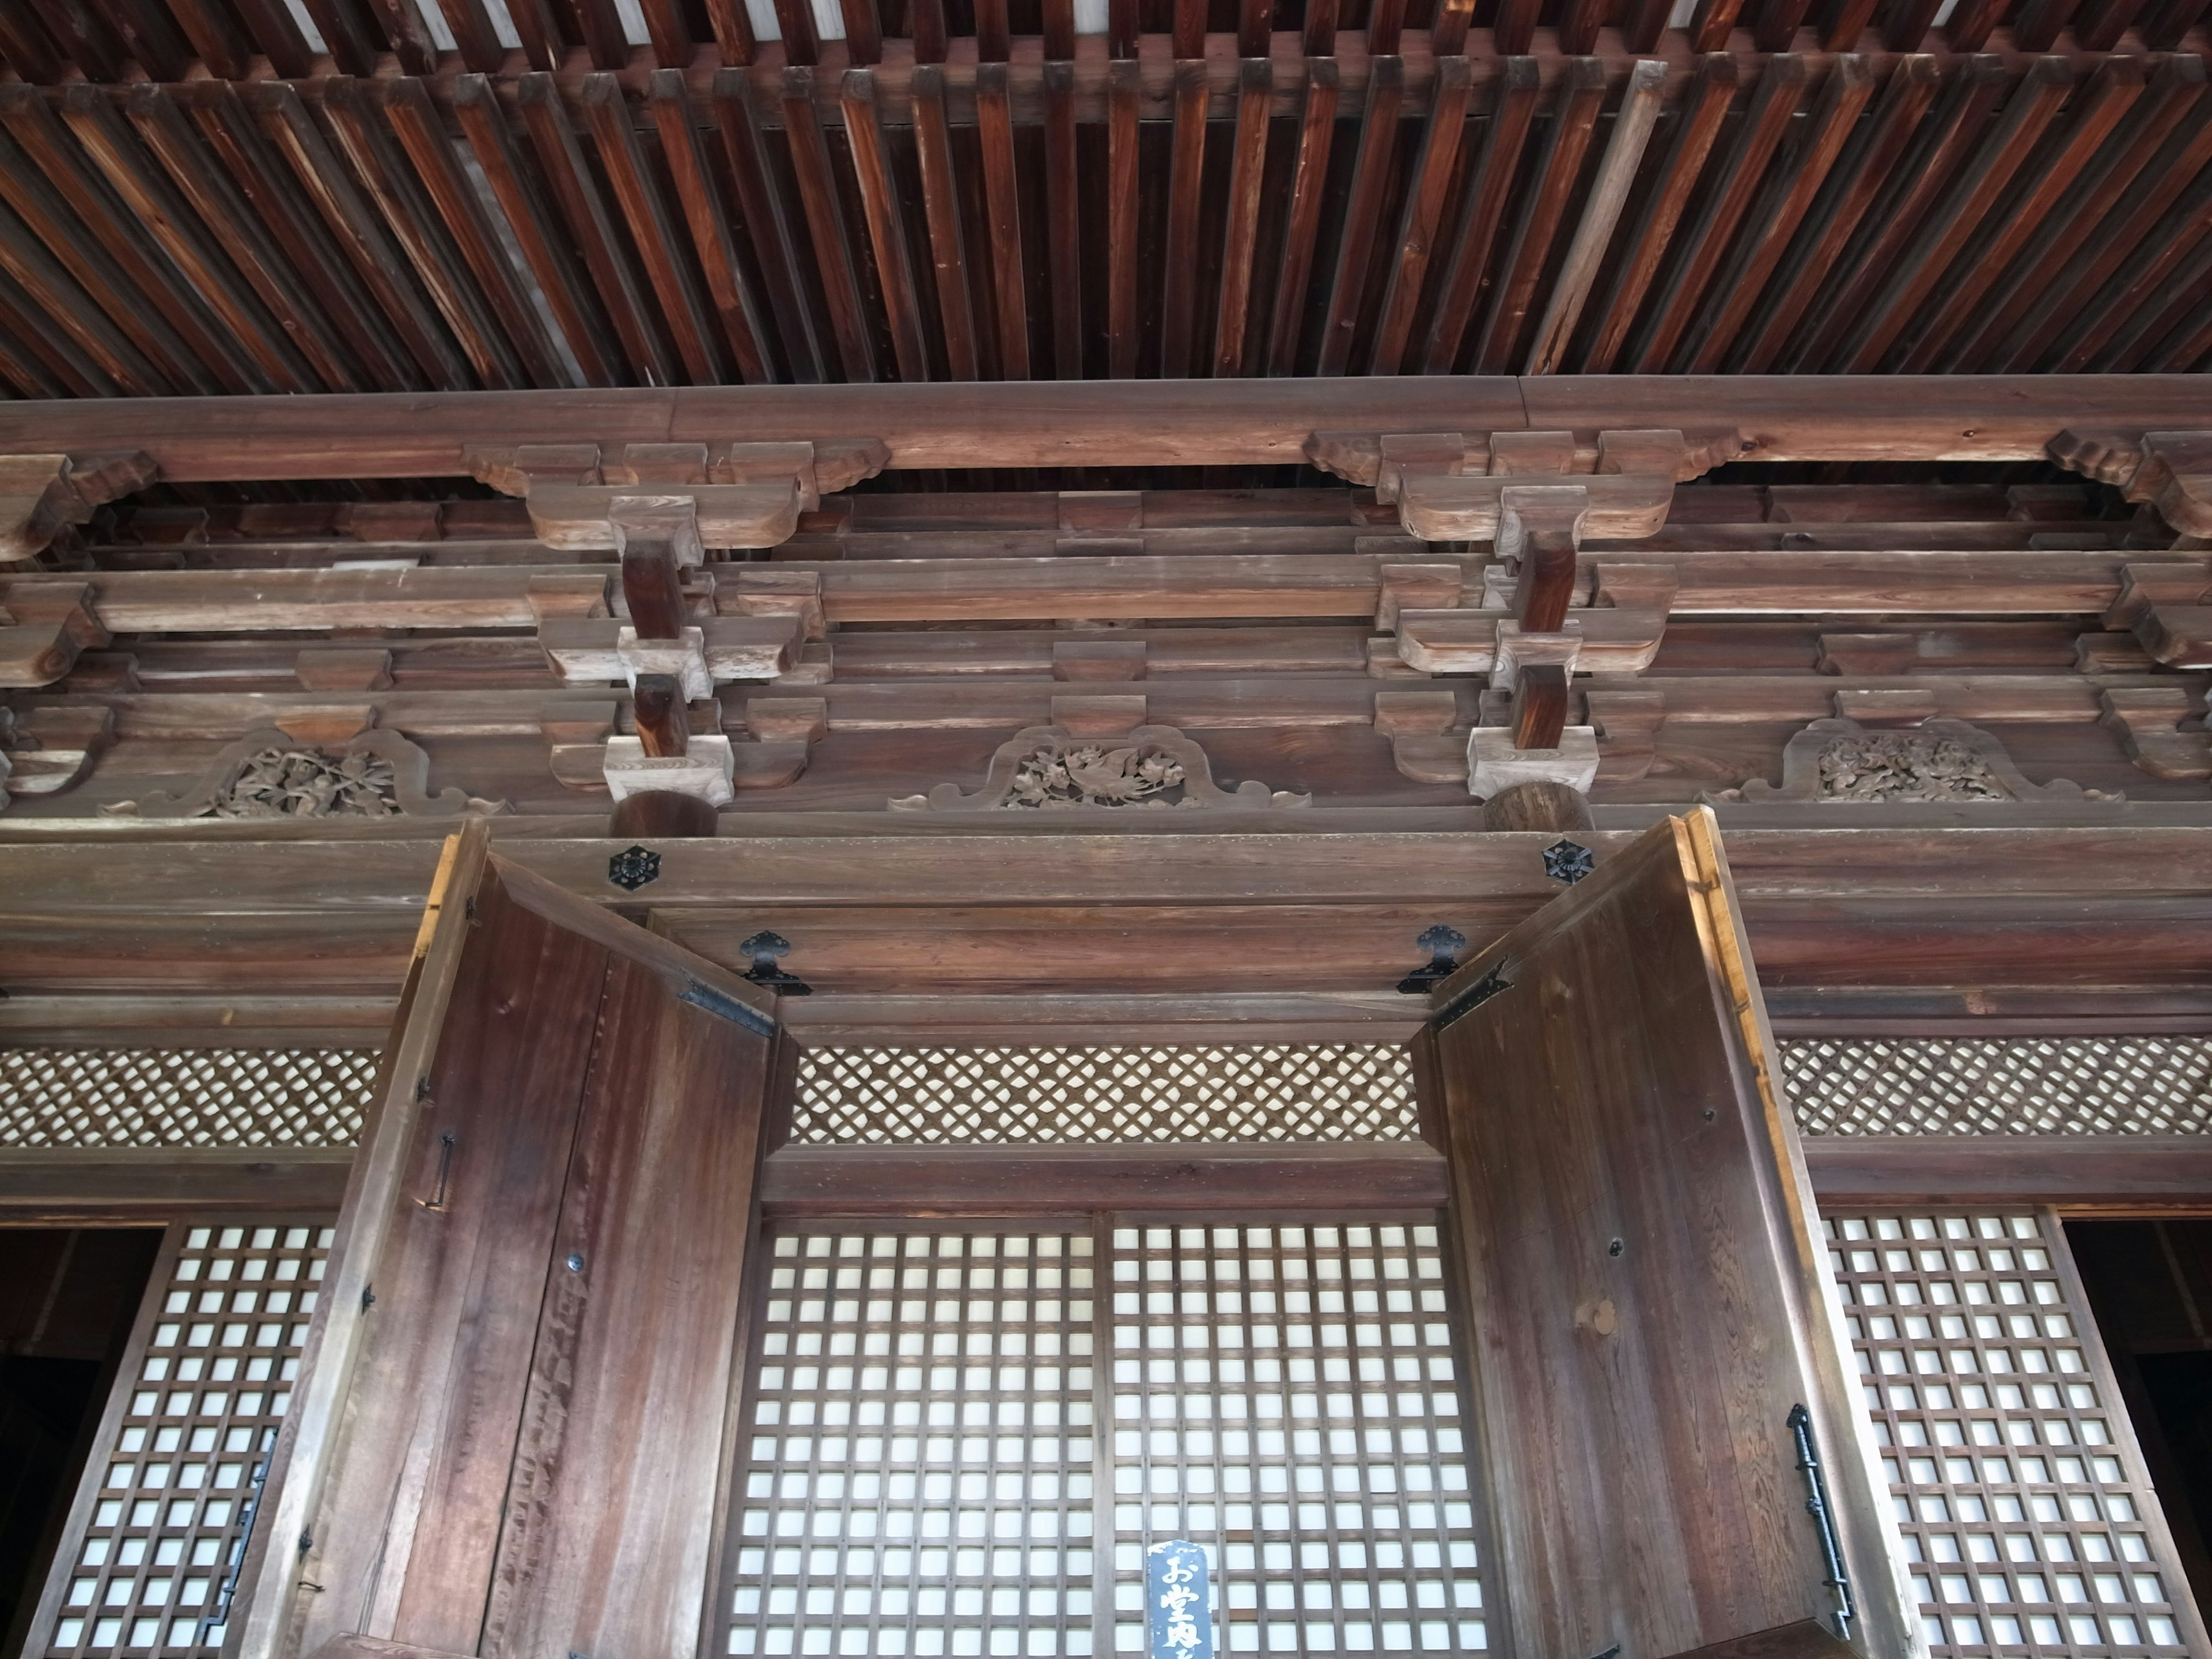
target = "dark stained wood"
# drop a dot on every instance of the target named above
(1539, 706)
(682, 306)
(1790, 197)
(1240, 232)
(1488, 194)
(1502, 341)
(1420, 222)
(1785, 317)
(1697, 122)
(1123, 89)
(657, 702)
(2078, 1173)
(581, 327)
(422, 132)
(767, 225)
(1186, 176)
(1773, 105)
(825, 223)
(1362, 214)
(1003, 217)
(660, 814)
(1064, 261)
(1060, 1180)
(457, 1291)
(353, 229)
(412, 222)
(113, 354)
(1641, 1279)
(886, 235)
(728, 287)
(1301, 228)
(584, 211)
(610, 1512)
(933, 139)
(1980, 186)
(1537, 805)
(52, 1185)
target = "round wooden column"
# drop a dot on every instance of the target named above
(660, 814)
(1538, 806)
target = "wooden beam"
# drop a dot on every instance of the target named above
(1224, 422)
(2084, 1173)
(1062, 1179)
(67, 1186)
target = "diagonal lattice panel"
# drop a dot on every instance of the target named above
(184, 1097)
(886, 1096)
(2010, 1085)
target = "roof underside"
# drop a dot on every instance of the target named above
(235, 196)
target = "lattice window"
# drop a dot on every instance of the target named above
(184, 1097)
(161, 1518)
(2001, 1085)
(1338, 1091)
(2027, 1518)
(1284, 1398)
(921, 1461)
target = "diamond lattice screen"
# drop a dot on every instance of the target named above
(2027, 1518)
(146, 1561)
(2144, 1085)
(1338, 1091)
(184, 1097)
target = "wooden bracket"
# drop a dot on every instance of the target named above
(766, 591)
(1627, 724)
(44, 623)
(738, 494)
(2147, 720)
(2170, 470)
(1496, 762)
(1447, 487)
(41, 495)
(602, 650)
(2163, 605)
(46, 750)
(1419, 725)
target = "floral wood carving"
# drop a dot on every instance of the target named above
(268, 775)
(1938, 761)
(1045, 769)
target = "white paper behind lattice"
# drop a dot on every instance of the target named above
(1337, 1092)
(2120, 1085)
(184, 1097)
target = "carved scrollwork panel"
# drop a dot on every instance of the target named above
(1047, 769)
(269, 774)
(1938, 761)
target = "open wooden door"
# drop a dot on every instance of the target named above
(1643, 1290)
(513, 1431)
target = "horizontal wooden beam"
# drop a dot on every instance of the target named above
(1095, 423)
(2075, 1172)
(59, 1186)
(1057, 1179)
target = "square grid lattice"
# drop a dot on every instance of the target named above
(161, 1519)
(1284, 1397)
(184, 1097)
(921, 1463)
(2027, 1517)
(2013, 1086)
(1340, 1091)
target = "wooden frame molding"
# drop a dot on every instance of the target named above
(1136, 422)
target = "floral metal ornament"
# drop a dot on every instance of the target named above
(632, 867)
(1568, 861)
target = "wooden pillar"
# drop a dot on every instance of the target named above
(1540, 806)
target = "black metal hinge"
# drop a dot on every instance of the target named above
(725, 1006)
(1473, 997)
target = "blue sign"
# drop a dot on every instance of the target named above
(1177, 1608)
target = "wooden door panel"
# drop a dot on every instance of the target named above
(530, 1453)
(1642, 1288)
(611, 1509)
(439, 1381)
